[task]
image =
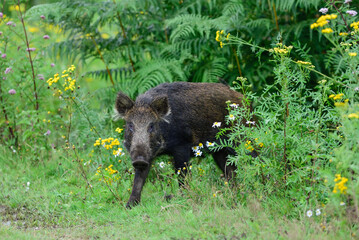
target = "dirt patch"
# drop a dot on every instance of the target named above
(23, 218)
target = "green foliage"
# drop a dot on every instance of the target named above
(61, 138)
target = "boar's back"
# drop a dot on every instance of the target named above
(194, 109)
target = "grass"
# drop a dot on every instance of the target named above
(58, 205)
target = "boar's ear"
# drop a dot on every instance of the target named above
(161, 106)
(123, 104)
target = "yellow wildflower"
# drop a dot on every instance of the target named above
(227, 37)
(340, 184)
(327, 30)
(340, 104)
(355, 25)
(352, 54)
(34, 29)
(119, 130)
(304, 63)
(323, 20)
(353, 115)
(337, 97)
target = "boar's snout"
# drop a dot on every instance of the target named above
(140, 162)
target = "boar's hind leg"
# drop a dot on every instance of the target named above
(181, 158)
(221, 159)
(139, 181)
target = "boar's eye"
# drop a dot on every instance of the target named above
(130, 127)
(151, 127)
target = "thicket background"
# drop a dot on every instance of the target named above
(53, 176)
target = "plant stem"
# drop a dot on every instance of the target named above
(237, 61)
(276, 19)
(82, 170)
(12, 135)
(332, 2)
(30, 58)
(85, 115)
(125, 37)
(103, 60)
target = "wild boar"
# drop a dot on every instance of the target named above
(170, 119)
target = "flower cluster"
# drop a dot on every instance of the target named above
(249, 146)
(353, 115)
(310, 213)
(200, 171)
(323, 20)
(111, 142)
(340, 184)
(281, 49)
(69, 83)
(327, 30)
(352, 54)
(220, 37)
(108, 176)
(119, 130)
(197, 151)
(118, 153)
(355, 25)
(337, 98)
(308, 64)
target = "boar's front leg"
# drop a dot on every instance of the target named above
(181, 158)
(139, 181)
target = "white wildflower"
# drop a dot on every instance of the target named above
(13, 150)
(318, 212)
(198, 153)
(162, 164)
(195, 149)
(250, 122)
(309, 213)
(216, 124)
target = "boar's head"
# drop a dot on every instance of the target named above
(143, 138)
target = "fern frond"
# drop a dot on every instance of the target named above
(186, 25)
(156, 71)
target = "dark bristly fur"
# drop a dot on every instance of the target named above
(170, 119)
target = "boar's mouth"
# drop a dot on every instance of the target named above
(140, 163)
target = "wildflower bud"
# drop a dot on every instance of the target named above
(0, 33)
(52, 64)
(352, 13)
(30, 49)
(323, 10)
(42, 17)
(1, 15)
(8, 70)
(9, 23)
(46, 37)
(12, 92)
(41, 77)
